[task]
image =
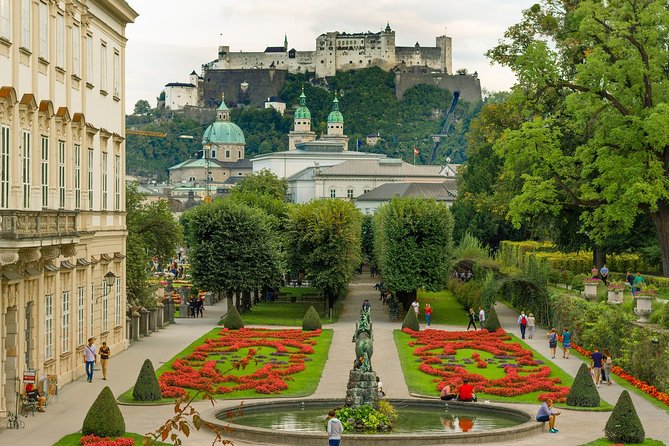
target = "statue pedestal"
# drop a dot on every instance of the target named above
(362, 389)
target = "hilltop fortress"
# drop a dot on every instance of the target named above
(337, 51)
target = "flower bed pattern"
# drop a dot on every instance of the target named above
(641, 385)
(523, 374)
(200, 370)
(94, 440)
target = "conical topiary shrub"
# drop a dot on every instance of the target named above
(411, 321)
(492, 321)
(147, 387)
(583, 392)
(233, 321)
(311, 321)
(104, 418)
(624, 425)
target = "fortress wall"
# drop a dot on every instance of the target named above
(237, 61)
(421, 56)
(468, 86)
(261, 85)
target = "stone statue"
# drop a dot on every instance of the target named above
(364, 341)
(362, 383)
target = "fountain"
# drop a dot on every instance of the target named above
(362, 387)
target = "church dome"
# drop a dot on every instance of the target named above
(302, 112)
(335, 115)
(223, 132)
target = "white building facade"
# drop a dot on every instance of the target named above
(62, 186)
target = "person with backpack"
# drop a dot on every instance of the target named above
(552, 341)
(522, 323)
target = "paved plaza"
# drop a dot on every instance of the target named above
(65, 415)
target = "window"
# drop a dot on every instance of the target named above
(117, 73)
(25, 169)
(65, 335)
(5, 19)
(117, 303)
(81, 300)
(77, 176)
(4, 167)
(89, 186)
(43, 31)
(89, 59)
(104, 181)
(333, 193)
(349, 192)
(48, 326)
(44, 171)
(117, 183)
(76, 50)
(239, 154)
(227, 154)
(105, 308)
(61, 174)
(213, 153)
(25, 23)
(91, 312)
(60, 41)
(103, 66)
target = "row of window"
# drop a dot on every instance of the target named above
(43, 27)
(349, 192)
(63, 170)
(81, 337)
(227, 153)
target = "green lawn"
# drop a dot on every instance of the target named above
(446, 309)
(607, 442)
(301, 384)
(299, 291)
(423, 384)
(280, 313)
(73, 440)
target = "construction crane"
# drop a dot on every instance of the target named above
(447, 126)
(146, 133)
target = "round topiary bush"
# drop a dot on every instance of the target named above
(583, 392)
(147, 387)
(411, 321)
(312, 320)
(104, 418)
(624, 425)
(492, 321)
(233, 321)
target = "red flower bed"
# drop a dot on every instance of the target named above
(523, 374)
(288, 351)
(94, 440)
(642, 385)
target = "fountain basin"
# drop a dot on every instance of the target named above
(302, 422)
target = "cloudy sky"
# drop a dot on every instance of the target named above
(173, 37)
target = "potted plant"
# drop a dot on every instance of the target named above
(615, 292)
(644, 300)
(590, 286)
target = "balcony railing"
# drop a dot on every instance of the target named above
(25, 225)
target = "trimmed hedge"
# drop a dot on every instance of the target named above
(146, 387)
(624, 425)
(492, 321)
(311, 321)
(411, 321)
(104, 418)
(583, 392)
(233, 321)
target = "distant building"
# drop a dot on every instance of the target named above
(276, 103)
(444, 192)
(372, 140)
(179, 95)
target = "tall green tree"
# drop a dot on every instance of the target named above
(324, 244)
(232, 248)
(593, 85)
(414, 245)
(152, 231)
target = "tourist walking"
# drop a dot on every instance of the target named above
(531, 325)
(522, 323)
(472, 319)
(566, 343)
(334, 428)
(481, 318)
(629, 277)
(428, 314)
(199, 306)
(607, 362)
(552, 341)
(596, 365)
(638, 283)
(546, 413)
(605, 274)
(416, 307)
(105, 353)
(90, 358)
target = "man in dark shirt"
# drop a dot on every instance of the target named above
(466, 392)
(596, 365)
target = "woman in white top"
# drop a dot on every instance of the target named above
(530, 325)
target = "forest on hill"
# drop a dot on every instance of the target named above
(366, 99)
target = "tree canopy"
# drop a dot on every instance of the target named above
(593, 89)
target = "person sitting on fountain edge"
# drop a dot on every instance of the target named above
(546, 414)
(446, 393)
(466, 392)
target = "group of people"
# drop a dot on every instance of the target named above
(465, 393)
(602, 274)
(462, 275)
(553, 340)
(473, 318)
(635, 282)
(600, 366)
(527, 324)
(196, 307)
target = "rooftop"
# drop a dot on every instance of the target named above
(388, 167)
(444, 191)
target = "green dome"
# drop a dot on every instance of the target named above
(302, 112)
(223, 132)
(335, 115)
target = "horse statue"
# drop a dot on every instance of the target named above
(364, 342)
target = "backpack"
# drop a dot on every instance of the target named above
(523, 320)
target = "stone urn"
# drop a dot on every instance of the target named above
(615, 297)
(590, 289)
(643, 308)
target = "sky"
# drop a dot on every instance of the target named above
(171, 38)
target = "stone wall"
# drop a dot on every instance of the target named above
(249, 87)
(469, 86)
